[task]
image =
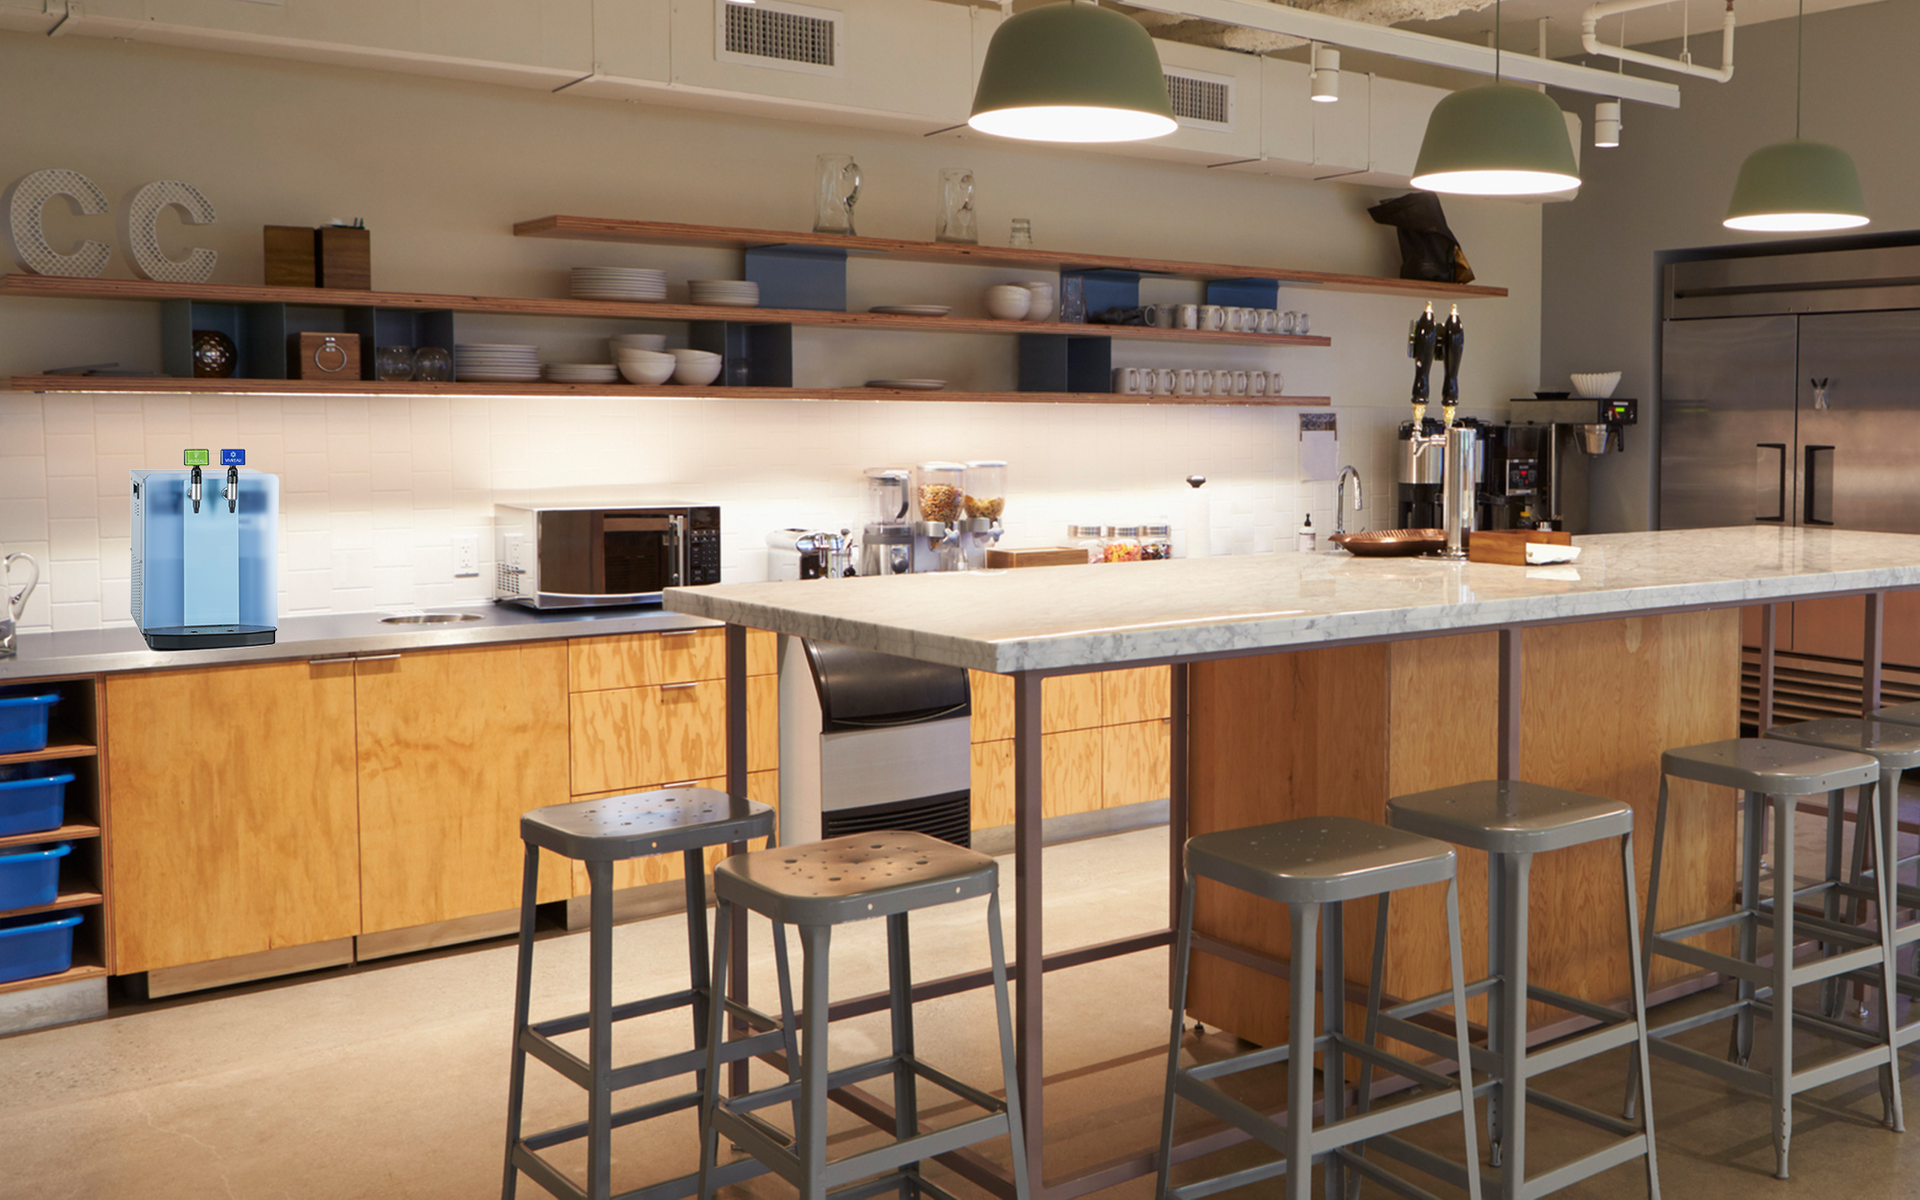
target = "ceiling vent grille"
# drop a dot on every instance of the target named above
(1201, 100)
(788, 37)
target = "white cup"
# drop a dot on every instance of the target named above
(1126, 380)
(1203, 383)
(1241, 383)
(1302, 323)
(1165, 381)
(1186, 385)
(1223, 382)
(1186, 316)
(1236, 320)
(1212, 316)
(1269, 321)
(1041, 308)
(1276, 384)
(1250, 320)
(1256, 383)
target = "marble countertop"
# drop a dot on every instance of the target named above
(93, 651)
(1047, 618)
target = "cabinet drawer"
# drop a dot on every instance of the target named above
(1070, 782)
(627, 738)
(1133, 762)
(1135, 694)
(645, 659)
(1066, 702)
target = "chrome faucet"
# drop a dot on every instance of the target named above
(1340, 493)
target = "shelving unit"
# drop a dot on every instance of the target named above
(73, 740)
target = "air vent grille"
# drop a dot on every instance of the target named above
(763, 31)
(1199, 100)
(948, 817)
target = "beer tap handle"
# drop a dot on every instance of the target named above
(233, 489)
(1452, 345)
(193, 489)
(1422, 343)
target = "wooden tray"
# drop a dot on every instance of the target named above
(1508, 547)
(1036, 556)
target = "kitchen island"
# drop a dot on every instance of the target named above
(1324, 683)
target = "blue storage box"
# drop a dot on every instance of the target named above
(23, 722)
(33, 798)
(34, 946)
(30, 875)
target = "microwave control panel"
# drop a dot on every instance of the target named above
(703, 556)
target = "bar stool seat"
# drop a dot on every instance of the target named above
(1314, 865)
(1512, 820)
(600, 833)
(814, 888)
(1782, 770)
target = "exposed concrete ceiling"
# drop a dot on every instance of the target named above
(1472, 20)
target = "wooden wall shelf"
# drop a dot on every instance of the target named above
(235, 293)
(356, 387)
(664, 233)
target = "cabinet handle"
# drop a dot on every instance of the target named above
(678, 687)
(681, 632)
(329, 662)
(681, 783)
(375, 657)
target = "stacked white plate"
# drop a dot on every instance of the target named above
(731, 292)
(582, 372)
(619, 283)
(493, 362)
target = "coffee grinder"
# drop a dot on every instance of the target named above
(206, 554)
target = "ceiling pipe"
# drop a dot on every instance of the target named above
(1310, 25)
(1591, 43)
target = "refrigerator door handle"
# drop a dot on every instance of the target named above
(1770, 482)
(1819, 493)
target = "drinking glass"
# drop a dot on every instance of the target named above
(393, 362)
(836, 191)
(1022, 234)
(432, 364)
(956, 223)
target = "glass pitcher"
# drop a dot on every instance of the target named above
(13, 605)
(836, 191)
(956, 222)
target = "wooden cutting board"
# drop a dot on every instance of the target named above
(1036, 556)
(1509, 546)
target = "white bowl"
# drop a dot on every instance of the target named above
(652, 358)
(685, 355)
(649, 371)
(1008, 301)
(638, 341)
(1595, 385)
(697, 374)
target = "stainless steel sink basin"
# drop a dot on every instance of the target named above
(430, 619)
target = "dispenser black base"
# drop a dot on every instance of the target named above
(207, 637)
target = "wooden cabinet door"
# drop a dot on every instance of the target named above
(1070, 777)
(234, 825)
(454, 746)
(1066, 702)
(629, 738)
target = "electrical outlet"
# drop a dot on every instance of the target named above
(466, 555)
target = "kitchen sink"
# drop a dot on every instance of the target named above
(429, 618)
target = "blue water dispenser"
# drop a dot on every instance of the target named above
(206, 554)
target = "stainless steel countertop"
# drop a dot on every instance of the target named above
(95, 651)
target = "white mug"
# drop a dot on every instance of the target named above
(1269, 321)
(1186, 316)
(1126, 380)
(1286, 321)
(1250, 320)
(1276, 384)
(1302, 323)
(1212, 316)
(1042, 307)
(1236, 320)
(1186, 384)
(1241, 383)
(1203, 385)
(1223, 382)
(1256, 383)
(1165, 380)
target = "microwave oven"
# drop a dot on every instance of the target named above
(548, 558)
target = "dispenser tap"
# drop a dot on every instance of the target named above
(233, 489)
(193, 489)
(1421, 345)
(1452, 343)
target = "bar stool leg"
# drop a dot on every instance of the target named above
(1333, 1021)
(906, 1108)
(1643, 946)
(600, 1031)
(1496, 1017)
(811, 1130)
(1642, 1063)
(1833, 991)
(716, 1030)
(1886, 850)
(699, 968)
(1740, 1048)
(1370, 1034)
(1510, 997)
(1782, 983)
(1472, 1142)
(1305, 919)
(522, 1004)
(789, 1036)
(1009, 1073)
(1182, 953)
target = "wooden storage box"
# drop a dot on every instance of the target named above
(323, 356)
(1508, 547)
(343, 257)
(289, 256)
(1036, 556)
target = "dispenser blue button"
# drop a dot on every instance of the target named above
(233, 458)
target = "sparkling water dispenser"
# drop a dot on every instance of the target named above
(206, 554)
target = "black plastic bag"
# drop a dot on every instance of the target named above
(1428, 249)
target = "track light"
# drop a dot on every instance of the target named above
(1324, 80)
(1606, 124)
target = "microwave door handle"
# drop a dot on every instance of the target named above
(676, 550)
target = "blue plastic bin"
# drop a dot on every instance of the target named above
(30, 875)
(23, 722)
(34, 946)
(33, 799)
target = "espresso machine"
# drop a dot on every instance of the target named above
(206, 554)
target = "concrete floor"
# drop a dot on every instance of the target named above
(389, 1080)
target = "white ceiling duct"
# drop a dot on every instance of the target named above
(1259, 41)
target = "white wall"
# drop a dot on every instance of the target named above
(1667, 185)
(374, 490)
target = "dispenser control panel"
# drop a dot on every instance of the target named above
(195, 458)
(1619, 412)
(233, 458)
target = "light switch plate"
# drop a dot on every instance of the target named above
(466, 555)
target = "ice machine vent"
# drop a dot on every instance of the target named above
(788, 36)
(948, 817)
(1202, 100)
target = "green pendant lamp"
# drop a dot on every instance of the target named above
(1797, 186)
(1072, 73)
(1497, 140)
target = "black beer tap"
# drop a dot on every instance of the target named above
(1452, 344)
(1422, 343)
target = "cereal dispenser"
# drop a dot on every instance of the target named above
(984, 501)
(939, 495)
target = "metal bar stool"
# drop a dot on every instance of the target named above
(816, 887)
(1512, 821)
(1780, 771)
(600, 833)
(1895, 745)
(1314, 865)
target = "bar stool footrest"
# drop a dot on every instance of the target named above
(666, 1002)
(1420, 1159)
(1201, 1189)
(557, 1184)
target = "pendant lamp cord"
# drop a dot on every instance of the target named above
(1799, 64)
(1496, 41)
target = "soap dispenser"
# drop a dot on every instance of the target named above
(1306, 537)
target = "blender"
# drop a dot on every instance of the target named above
(886, 540)
(984, 500)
